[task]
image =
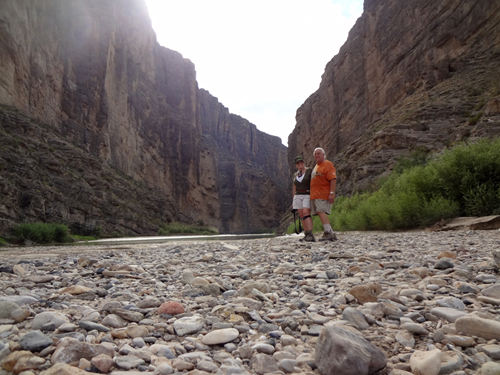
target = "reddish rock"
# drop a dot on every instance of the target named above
(366, 293)
(102, 362)
(10, 362)
(171, 308)
(447, 254)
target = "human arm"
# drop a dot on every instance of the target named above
(333, 186)
(293, 193)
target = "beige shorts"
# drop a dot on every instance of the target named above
(320, 205)
(301, 201)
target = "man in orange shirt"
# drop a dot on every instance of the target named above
(323, 184)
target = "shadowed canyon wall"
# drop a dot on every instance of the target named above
(91, 100)
(412, 75)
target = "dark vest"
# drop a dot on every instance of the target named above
(303, 188)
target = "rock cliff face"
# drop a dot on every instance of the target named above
(416, 74)
(93, 73)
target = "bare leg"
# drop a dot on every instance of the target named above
(307, 223)
(324, 218)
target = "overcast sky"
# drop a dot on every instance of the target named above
(261, 58)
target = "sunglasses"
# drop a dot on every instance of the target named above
(300, 161)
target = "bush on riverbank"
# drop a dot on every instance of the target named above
(181, 228)
(42, 233)
(464, 181)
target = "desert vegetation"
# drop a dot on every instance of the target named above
(47, 233)
(42, 233)
(422, 190)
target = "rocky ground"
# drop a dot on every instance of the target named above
(401, 303)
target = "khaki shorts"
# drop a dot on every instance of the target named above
(301, 201)
(320, 205)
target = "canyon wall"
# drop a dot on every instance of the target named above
(91, 74)
(412, 75)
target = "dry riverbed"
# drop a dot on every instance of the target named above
(402, 303)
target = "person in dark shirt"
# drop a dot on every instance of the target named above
(301, 197)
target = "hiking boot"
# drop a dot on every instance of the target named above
(309, 236)
(328, 236)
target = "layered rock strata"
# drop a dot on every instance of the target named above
(411, 75)
(95, 71)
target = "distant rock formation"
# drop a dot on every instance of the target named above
(412, 75)
(108, 107)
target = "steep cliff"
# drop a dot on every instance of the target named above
(415, 74)
(93, 73)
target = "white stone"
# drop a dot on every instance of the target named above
(426, 363)
(220, 336)
(189, 324)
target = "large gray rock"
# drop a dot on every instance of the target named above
(71, 350)
(492, 291)
(451, 302)
(35, 341)
(475, 326)
(129, 362)
(6, 308)
(448, 313)
(263, 364)
(342, 350)
(405, 338)
(450, 362)
(20, 300)
(355, 317)
(114, 321)
(89, 326)
(232, 366)
(49, 317)
(131, 316)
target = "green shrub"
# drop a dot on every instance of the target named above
(42, 233)
(479, 201)
(181, 228)
(466, 172)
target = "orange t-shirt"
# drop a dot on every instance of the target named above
(320, 180)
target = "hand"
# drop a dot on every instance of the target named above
(331, 198)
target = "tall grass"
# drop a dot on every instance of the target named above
(42, 233)
(181, 228)
(464, 181)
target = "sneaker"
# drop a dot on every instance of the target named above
(328, 236)
(309, 237)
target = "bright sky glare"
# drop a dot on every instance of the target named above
(261, 58)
